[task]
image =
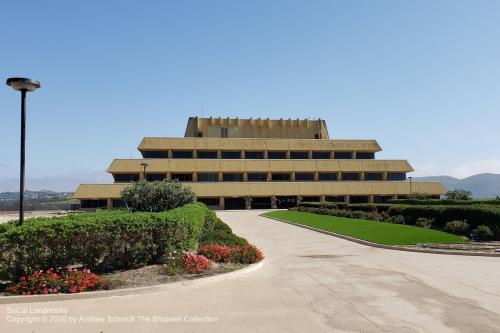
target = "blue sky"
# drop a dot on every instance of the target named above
(421, 77)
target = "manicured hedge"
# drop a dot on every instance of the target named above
(474, 215)
(365, 207)
(444, 202)
(101, 241)
(217, 232)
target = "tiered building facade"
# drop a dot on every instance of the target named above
(233, 163)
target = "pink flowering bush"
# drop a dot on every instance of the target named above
(215, 252)
(51, 282)
(194, 263)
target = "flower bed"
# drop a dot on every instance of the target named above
(51, 282)
(243, 254)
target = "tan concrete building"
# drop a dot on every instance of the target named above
(233, 163)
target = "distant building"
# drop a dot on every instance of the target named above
(233, 163)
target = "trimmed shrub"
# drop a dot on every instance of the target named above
(194, 263)
(423, 222)
(458, 227)
(101, 241)
(475, 215)
(50, 282)
(444, 202)
(246, 254)
(397, 219)
(215, 252)
(157, 196)
(217, 232)
(357, 214)
(482, 233)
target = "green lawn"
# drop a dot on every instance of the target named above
(373, 231)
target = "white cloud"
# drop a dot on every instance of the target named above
(427, 169)
(473, 168)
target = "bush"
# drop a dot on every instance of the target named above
(482, 233)
(444, 202)
(474, 214)
(217, 232)
(157, 196)
(50, 282)
(397, 219)
(246, 254)
(457, 227)
(423, 222)
(215, 252)
(459, 195)
(194, 263)
(358, 215)
(101, 241)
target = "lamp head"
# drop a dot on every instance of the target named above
(144, 164)
(21, 83)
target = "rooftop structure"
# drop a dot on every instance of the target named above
(261, 163)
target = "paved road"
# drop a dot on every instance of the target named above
(311, 282)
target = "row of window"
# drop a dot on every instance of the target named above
(276, 155)
(261, 176)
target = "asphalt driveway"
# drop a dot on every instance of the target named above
(310, 282)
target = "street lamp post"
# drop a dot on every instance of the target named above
(23, 85)
(144, 165)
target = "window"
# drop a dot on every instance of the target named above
(103, 203)
(257, 155)
(373, 176)
(381, 198)
(182, 177)
(155, 176)
(321, 155)
(125, 177)
(359, 199)
(224, 132)
(208, 177)
(276, 155)
(199, 134)
(299, 155)
(232, 177)
(206, 154)
(257, 177)
(350, 176)
(342, 155)
(231, 154)
(335, 198)
(327, 176)
(304, 176)
(365, 155)
(182, 154)
(155, 154)
(260, 203)
(317, 136)
(209, 201)
(396, 176)
(310, 199)
(280, 177)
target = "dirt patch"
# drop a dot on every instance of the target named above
(156, 274)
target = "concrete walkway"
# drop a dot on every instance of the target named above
(310, 282)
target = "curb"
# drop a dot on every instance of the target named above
(387, 247)
(130, 291)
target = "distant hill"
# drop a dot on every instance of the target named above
(483, 185)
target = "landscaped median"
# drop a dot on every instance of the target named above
(372, 231)
(118, 249)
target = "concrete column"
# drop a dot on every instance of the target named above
(322, 198)
(141, 175)
(310, 154)
(384, 175)
(292, 176)
(316, 176)
(221, 178)
(287, 154)
(195, 176)
(353, 155)
(169, 176)
(347, 198)
(248, 203)
(362, 175)
(169, 153)
(219, 154)
(299, 199)
(339, 175)
(221, 202)
(370, 198)
(242, 156)
(245, 176)
(269, 176)
(195, 154)
(274, 202)
(109, 203)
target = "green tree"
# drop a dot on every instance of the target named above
(157, 196)
(459, 195)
